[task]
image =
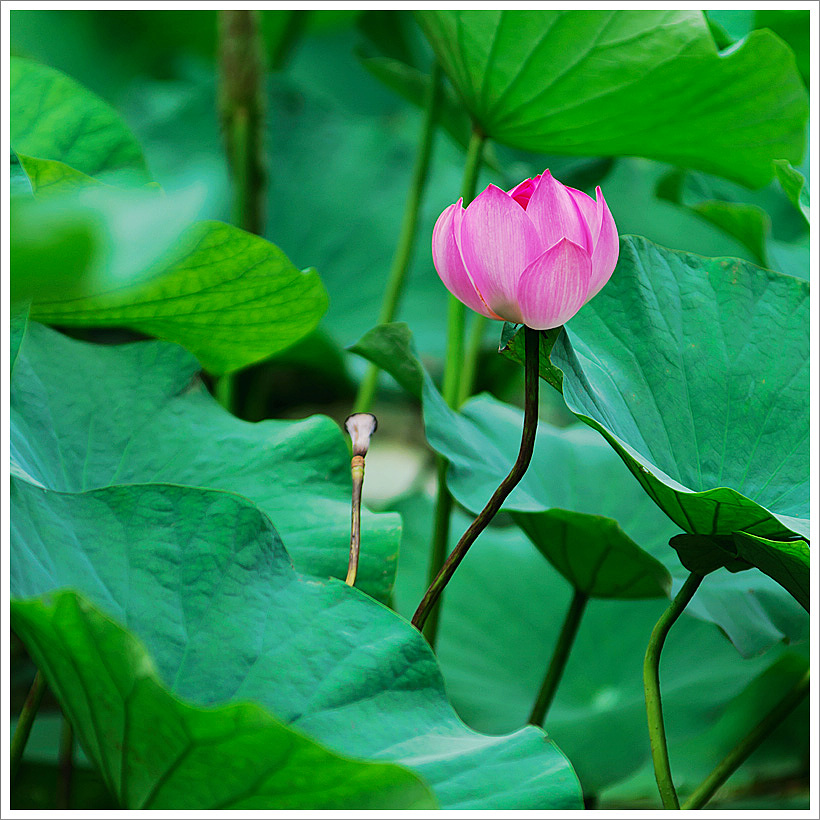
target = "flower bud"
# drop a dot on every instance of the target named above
(534, 255)
(360, 427)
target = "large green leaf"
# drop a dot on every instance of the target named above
(105, 421)
(202, 579)
(500, 618)
(696, 371)
(788, 562)
(580, 505)
(229, 297)
(795, 186)
(646, 83)
(54, 117)
(158, 752)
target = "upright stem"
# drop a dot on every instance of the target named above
(471, 358)
(504, 489)
(652, 691)
(559, 658)
(66, 765)
(721, 773)
(357, 472)
(242, 117)
(24, 724)
(450, 388)
(404, 249)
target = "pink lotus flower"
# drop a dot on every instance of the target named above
(533, 255)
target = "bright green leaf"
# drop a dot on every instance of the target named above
(795, 185)
(714, 425)
(104, 421)
(794, 26)
(201, 578)
(788, 562)
(156, 751)
(49, 177)
(54, 117)
(229, 297)
(645, 83)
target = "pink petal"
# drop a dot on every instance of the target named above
(589, 210)
(497, 242)
(523, 191)
(557, 215)
(448, 262)
(554, 287)
(605, 255)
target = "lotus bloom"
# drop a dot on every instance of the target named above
(533, 255)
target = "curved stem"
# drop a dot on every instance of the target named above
(66, 770)
(652, 690)
(404, 249)
(721, 773)
(504, 489)
(560, 655)
(25, 722)
(451, 386)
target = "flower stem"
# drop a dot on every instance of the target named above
(504, 489)
(465, 388)
(721, 773)
(357, 472)
(450, 388)
(404, 249)
(242, 116)
(652, 690)
(560, 655)
(25, 722)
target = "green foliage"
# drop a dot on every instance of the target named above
(158, 752)
(53, 117)
(166, 429)
(795, 186)
(500, 618)
(698, 417)
(646, 83)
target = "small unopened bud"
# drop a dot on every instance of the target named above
(360, 426)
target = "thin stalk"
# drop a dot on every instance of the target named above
(357, 471)
(531, 351)
(25, 722)
(560, 655)
(471, 358)
(242, 117)
(450, 387)
(721, 773)
(407, 236)
(652, 690)
(66, 770)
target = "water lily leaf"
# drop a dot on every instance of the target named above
(795, 185)
(574, 470)
(747, 223)
(229, 297)
(156, 751)
(785, 561)
(499, 621)
(704, 554)
(103, 422)
(391, 347)
(794, 26)
(645, 83)
(714, 426)
(202, 579)
(48, 177)
(54, 117)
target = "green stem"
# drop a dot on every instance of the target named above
(504, 489)
(450, 388)
(560, 655)
(25, 722)
(721, 773)
(471, 358)
(66, 765)
(242, 116)
(652, 690)
(407, 236)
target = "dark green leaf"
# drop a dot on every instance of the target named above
(391, 348)
(795, 186)
(156, 751)
(787, 562)
(54, 117)
(201, 578)
(104, 421)
(704, 554)
(645, 83)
